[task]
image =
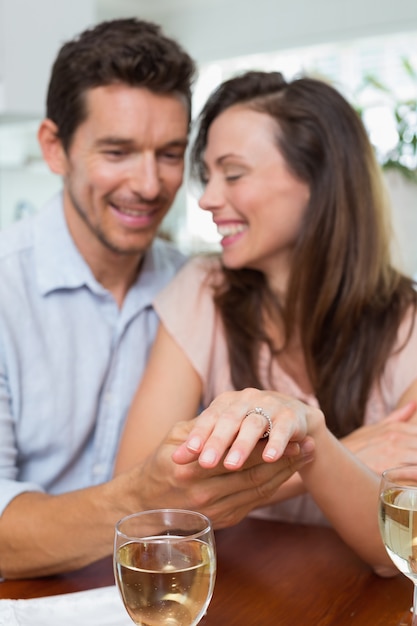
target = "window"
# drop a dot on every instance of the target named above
(345, 64)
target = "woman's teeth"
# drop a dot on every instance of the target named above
(231, 229)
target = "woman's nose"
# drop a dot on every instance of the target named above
(211, 199)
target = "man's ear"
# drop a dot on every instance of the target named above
(51, 146)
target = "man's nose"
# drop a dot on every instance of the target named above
(145, 178)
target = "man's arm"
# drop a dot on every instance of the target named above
(390, 442)
(42, 534)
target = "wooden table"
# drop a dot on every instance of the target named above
(271, 574)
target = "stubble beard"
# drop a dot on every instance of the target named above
(99, 234)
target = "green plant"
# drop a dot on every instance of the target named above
(403, 155)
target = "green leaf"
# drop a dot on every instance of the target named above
(412, 73)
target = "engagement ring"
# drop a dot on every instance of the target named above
(259, 411)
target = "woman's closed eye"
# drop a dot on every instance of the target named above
(233, 174)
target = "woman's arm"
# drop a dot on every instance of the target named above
(170, 391)
(388, 443)
(347, 492)
(344, 488)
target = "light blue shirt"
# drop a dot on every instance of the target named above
(70, 359)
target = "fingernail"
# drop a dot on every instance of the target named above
(233, 458)
(208, 456)
(271, 453)
(194, 444)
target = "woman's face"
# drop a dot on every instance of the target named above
(257, 203)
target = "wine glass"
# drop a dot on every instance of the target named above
(398, 521)
(165, 566)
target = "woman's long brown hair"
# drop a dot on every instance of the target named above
(345, 298)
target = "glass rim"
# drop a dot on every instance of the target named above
(201, 516)
(385, 475)
(398, 467)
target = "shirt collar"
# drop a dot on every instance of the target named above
(59, 264)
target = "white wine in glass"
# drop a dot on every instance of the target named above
(398, 521)
(165, 566)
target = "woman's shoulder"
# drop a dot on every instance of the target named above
(194, 283)
(407, 331)
(401, 367)
(202, 269)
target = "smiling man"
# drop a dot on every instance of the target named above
(77, 283)
(121, 172)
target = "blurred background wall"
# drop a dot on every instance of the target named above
(343, 41)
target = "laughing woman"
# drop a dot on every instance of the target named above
(303, 310)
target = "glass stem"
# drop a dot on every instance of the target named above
(414, 620)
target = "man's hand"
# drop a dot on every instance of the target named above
(70, 530)
(224, 496)
(391, 442)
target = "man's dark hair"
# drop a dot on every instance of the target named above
(130, 51)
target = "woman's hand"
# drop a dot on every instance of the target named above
(235, 421)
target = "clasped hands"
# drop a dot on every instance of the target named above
(235, 422)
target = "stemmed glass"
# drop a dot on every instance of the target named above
(165, 566)
(398, 521)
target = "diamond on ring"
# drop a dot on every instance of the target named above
(259, 411)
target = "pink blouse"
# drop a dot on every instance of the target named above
(186, 309)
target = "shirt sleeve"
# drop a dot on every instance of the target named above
(187, 310)
(10, 486)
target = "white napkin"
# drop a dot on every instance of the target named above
(95, 607)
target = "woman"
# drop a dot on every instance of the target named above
(304, 301)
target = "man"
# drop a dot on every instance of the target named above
(76, 321)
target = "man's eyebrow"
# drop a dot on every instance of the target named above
(120, 141)
(181, 143)
(113, 141)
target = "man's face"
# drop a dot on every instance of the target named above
(123, 168)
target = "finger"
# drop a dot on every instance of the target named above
(183, 455)
(215, 418)
(288, 417)
(264, 481)
(228, 412)
(403, 413)
(237, 435)
(251, 430)
(231, 421)
(304, 447)
(293, 449)
(224, 433)
(292, 421)
(289, 424)
(193, 473)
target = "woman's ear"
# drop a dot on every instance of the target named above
(51, 146)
